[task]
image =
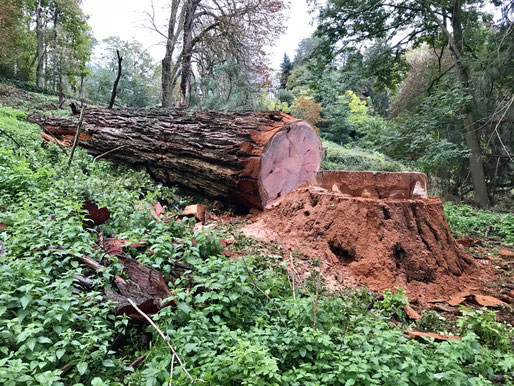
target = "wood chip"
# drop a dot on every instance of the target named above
(444, 308)
(506, 253)
(197, 210)
(411, 313)
(467, 242)
(488, 301)
(418, 335)
(157, 210)
(459, 298)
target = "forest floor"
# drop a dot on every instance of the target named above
(270, 309)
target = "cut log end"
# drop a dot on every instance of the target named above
(291, 158)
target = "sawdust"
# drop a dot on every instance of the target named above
(372, 242)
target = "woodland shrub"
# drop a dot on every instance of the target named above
(466, 220)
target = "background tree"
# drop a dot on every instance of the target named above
(46, 41)
(455, 26)
(206, 31)
(139, 82)
(285, 69)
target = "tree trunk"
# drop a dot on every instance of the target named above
(61, 92)
(475, 162)
(40, 45)
(169, 71)
(457, 48)
(470, 132)
(254, 158)
(187, 51)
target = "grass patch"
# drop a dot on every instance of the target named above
(336, 157)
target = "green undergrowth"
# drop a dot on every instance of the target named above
(237, 320)
(465, 220)
(337, 157)
(28, 101)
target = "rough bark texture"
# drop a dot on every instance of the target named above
(40, 45)
(169, 69)
(254, 158)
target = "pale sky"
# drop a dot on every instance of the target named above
(126, 18)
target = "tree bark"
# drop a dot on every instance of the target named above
(253, 158)
(40, 45)
(187, 50)
(169, 70)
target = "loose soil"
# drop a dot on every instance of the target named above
(372, 242)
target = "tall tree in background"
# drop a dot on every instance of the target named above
(14, 39)
(449, 24)
(169, 69)
(40, 38)
(240, 28)
(285, 69)
(48, 39)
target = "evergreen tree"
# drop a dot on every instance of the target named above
(285, 69)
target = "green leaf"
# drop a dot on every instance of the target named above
(82, 367)
(59, 353)
(44, 339)
(31, 343)
(25, 301)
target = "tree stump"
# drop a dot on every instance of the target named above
(379, 228)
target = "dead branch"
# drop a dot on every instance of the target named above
(10, 137)
(77, 133)
(115, 86)
(163, 337)
(107, 152)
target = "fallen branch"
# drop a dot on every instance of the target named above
(10, 137)
(77, 133)
(163, 337)
(137, 361)
(93, 264)
(107, 152)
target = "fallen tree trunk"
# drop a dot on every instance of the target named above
(254, 158)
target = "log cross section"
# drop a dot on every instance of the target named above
(254, 158)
